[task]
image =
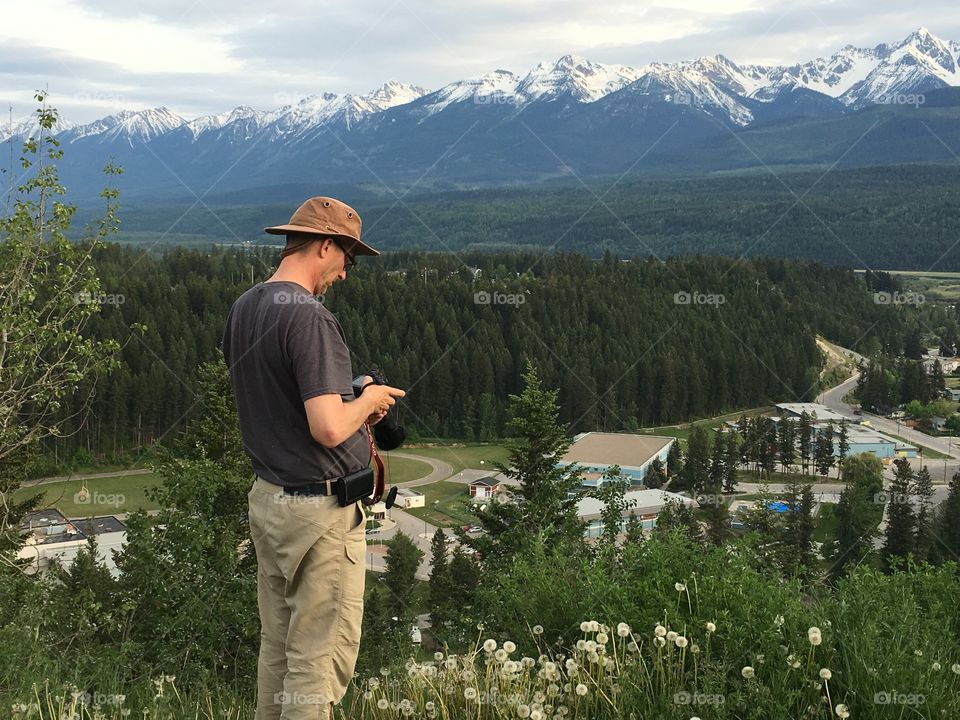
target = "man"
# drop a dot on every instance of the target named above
(303, 430)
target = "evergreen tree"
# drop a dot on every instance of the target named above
(461, 612)
(674, 459)
(923, 490)
(767, 448)
(824, 450)
(796, 531)
(440, 584)
(402, 562)
(718, 460)
(716, 514)
(947, 523)
(786, 443)
(696, 468)
(843, 446)
(656, 475)
(937, 382)
(731, 463)
(543, 502)
(901, 529)
(804, 433)
(856, 513)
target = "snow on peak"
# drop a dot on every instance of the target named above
(29, 126)
(585, 80)
(393, 93)
(243, 121)
(493, 88)
(130, 125)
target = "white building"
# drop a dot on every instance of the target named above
(50, 535)
(409, 498)
(822, 412)
(597, 452)
(647, 504)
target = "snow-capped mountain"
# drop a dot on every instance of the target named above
(857, 77)
(128, 126)
(863, 76)
(28, 126)
(583, 80)
(593, 115)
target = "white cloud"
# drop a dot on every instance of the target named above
(207, 56)
(133, 44)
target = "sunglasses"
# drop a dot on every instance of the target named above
(349, 261)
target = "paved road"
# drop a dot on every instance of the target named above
(90, 476)
(833, 399)
(420, 531)
(440, 469)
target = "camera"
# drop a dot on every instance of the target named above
(388, 434)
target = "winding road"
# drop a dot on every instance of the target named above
(833, 399)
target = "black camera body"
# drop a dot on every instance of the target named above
(388, 434)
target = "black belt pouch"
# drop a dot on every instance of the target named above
(355, 486)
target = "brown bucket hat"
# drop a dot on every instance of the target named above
(326, 217)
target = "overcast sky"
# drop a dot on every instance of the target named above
(208, 56)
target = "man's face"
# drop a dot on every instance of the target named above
(334, 262)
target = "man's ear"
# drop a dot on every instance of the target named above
(324, 247)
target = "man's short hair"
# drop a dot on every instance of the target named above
(299, 241)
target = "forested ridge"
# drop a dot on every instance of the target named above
(903, 217)
(610, 334)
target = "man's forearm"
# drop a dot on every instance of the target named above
(352, 416)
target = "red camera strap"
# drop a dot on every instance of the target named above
(380, 481)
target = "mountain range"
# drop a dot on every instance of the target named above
(892, 103)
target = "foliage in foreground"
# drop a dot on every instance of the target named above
(664, 629)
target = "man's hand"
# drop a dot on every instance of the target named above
(376, 417)
(332, 421)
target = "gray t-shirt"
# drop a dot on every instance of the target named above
(283, 347)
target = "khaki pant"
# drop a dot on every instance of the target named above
(310, 577)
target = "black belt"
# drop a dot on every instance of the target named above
(327, 487)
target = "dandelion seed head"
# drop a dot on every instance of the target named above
(842, 711)
(623, 630)
(711, 628)
(581, 689)
(747, 672)
(680, 587)
(825, 673)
